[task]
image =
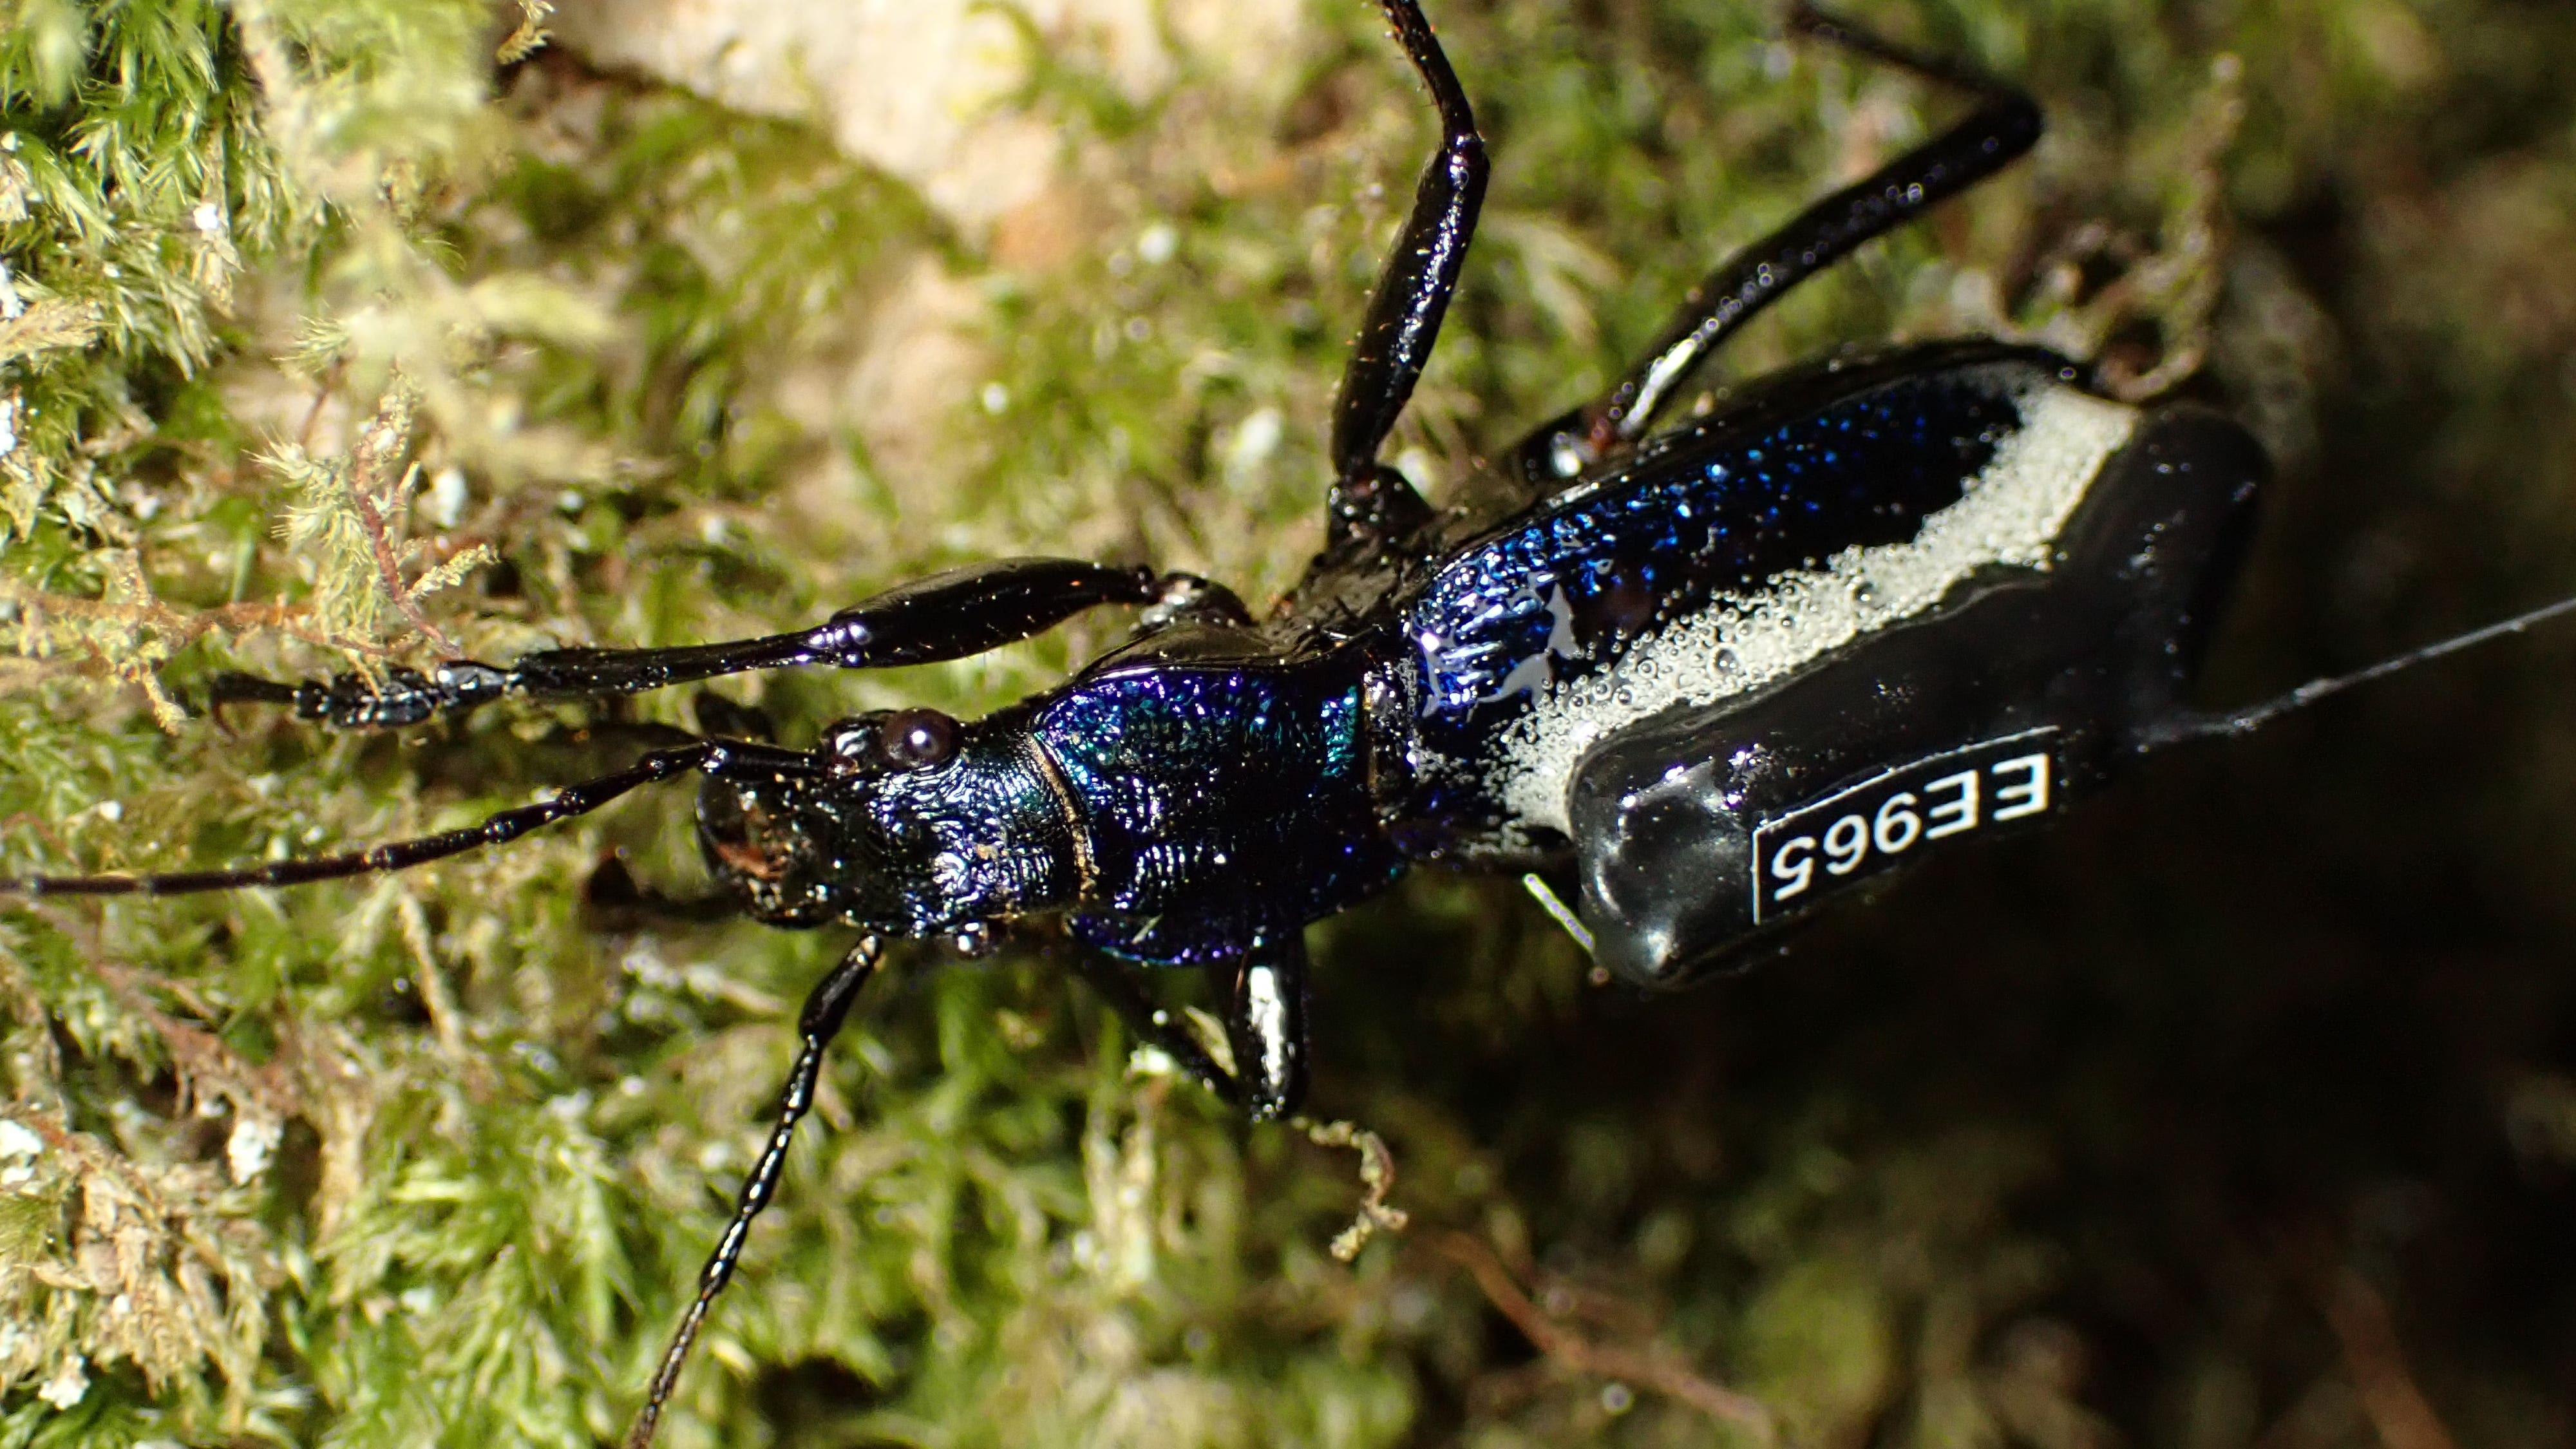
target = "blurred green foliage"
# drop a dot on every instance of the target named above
(2127, 1135)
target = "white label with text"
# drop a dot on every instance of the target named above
(1863, 829)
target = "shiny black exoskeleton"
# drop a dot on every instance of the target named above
(1704, 679)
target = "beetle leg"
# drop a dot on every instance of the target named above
(948, 615)
(1121, 984)
(1371, 502)
(2004, 127)
(1266, 1020)
(825, 1009)
(1265, 1023)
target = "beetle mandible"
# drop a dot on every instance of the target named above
(1703, 678)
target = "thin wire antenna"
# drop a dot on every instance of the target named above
(2196, 725)
(509, 825)
(825, 1009)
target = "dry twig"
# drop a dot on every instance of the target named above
(1650, 1370)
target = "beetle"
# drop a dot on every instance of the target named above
(1703, 680)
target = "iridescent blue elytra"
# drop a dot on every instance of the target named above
(1776, 482)
(1719, 506)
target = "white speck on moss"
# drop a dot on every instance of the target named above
(447, 496)
(17, 1143)
(1419, 468)
(1256, 438)
(251, 1147)
(69, 1385)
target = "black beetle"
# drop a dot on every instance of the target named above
(1707, 675)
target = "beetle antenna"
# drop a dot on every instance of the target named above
(2197, 725)
(573, 800)
(825, 1009)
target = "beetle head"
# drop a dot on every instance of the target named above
(905, 822)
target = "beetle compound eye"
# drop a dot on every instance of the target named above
(917, 739)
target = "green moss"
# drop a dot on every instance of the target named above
(434, 1159)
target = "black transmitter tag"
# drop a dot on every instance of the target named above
(1812, 850)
